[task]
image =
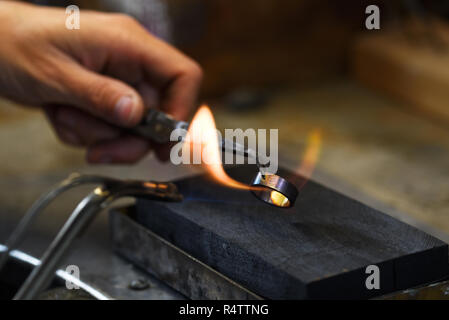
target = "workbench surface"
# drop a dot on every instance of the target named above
(373, 149)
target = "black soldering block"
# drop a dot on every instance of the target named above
(318, 249)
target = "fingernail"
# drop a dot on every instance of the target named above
(124, 110)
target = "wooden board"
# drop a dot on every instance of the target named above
(408, 69)
(318, 249)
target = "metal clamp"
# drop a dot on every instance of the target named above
(272, 189)
(158, 126)
(100, 198)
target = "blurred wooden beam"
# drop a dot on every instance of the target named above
(412, 69)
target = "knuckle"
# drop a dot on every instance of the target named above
(98, 95)
(194, 70)
(124, 20)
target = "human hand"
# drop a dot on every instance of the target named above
(93, 81)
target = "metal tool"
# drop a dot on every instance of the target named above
(102, 196)
(274, 190)
(158, 126)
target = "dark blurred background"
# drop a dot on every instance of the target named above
(269, 43)
(251, 43)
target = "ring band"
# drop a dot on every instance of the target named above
(274, 190)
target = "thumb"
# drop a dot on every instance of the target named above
(102, 96)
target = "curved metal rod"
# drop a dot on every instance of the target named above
(43, 273)
(237, 148)
(62, 274)
(81, 217)
(38, 206)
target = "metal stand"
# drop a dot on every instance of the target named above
(101, 197)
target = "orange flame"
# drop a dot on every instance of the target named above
(203, 127)
(202, 138)
(311, 154)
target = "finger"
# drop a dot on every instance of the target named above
(162, 151)
(126, 149)
(78, 126)
(90, 129)
(149, 95)
(177, 76)
(63, 134)
(179, 98)
(102, 96)
(68, 137)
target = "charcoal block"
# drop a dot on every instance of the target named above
(318, 249)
